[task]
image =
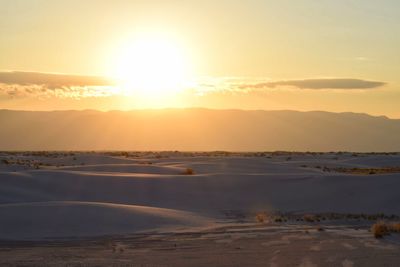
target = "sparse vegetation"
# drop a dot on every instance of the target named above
(318, 217)
(364, 171)
(166, 154)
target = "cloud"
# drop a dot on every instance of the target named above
(22, 84)
(52, 80)
(46, 85)
(328, 83)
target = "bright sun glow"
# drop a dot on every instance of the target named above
(150, 66)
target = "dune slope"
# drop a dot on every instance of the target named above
(72, 219)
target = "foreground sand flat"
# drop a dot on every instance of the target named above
(197, 209)
(247, 245)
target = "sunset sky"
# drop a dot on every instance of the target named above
(271, 55)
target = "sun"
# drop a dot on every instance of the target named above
(151, 65)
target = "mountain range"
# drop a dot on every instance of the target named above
(197, 129)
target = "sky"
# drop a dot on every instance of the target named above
(303, 55)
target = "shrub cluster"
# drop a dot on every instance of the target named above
(380, 229)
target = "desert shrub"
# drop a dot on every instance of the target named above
(379, 229)
(309, 218)
(395, 227)
(261, 217)
(188, 171)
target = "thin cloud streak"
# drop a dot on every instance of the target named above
(52, 80)
(19, 84)
(328, 83)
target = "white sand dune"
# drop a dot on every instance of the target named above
(130, 168)
(72, 219)
(219, 184)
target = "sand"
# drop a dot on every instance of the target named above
(95, 196)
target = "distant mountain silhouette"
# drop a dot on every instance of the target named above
(197, 130)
